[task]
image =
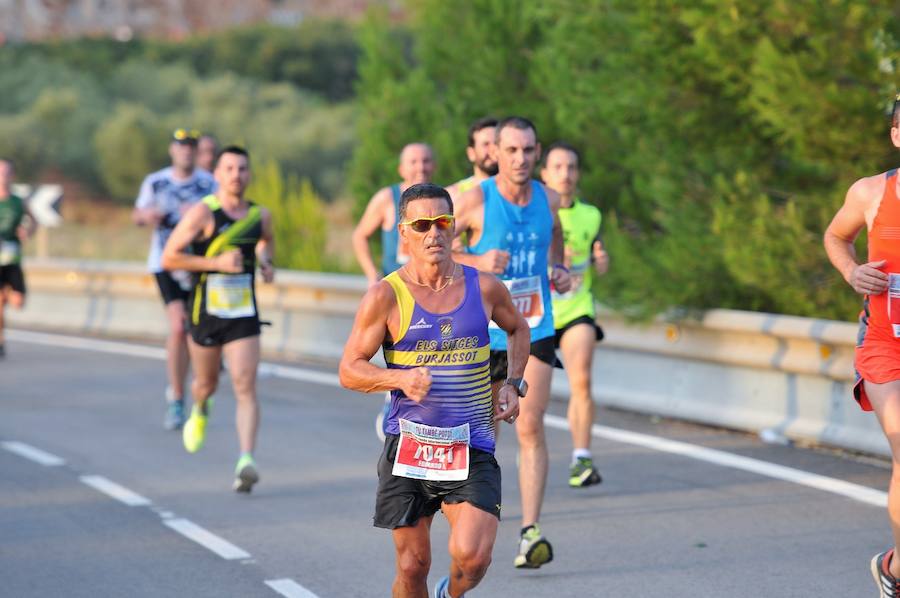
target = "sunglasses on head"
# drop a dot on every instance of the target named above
(423, 225)
(186, 135)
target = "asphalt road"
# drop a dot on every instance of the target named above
(661, 524)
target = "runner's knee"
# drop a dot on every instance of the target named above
(204, 386)
(472, 561)
(530, 429)
(413, 565)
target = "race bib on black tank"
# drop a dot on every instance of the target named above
(230, 296)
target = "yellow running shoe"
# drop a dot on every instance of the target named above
(194, 432)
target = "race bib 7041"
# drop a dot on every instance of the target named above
(432, 453)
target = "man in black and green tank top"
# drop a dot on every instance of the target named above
(227, 235)
(574, 317)
(16, 224)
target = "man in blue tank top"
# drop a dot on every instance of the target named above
(512, 226)
(431, 318)
(416, 166)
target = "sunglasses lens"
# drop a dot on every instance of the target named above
(420, 226)
(423, 225)
(444, 223)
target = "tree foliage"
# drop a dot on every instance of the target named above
(298, 217)
(718, 136)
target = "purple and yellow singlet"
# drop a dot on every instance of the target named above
(455, 347)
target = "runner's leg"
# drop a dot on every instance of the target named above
(472, 535)
(206, 371)
(3, 293)
(242, 358)
(413, 548)
(177, 357)
(577, 346)
(885, 399)
(533, 457)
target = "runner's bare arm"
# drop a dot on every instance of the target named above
(372, 220)
(145, 211)
(599, 257)
(453, 191)
(369, 331)
(265, 247)
(504, 313)
(469, 213)
(842, 232)
(196, 222)
(27, 227)
(557, 254)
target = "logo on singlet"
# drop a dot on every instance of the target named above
(420, 325)
(446, 326)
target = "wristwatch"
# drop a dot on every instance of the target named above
(519, 384)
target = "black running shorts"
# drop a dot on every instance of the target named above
(11, 276)
(598, 332)
(215, 332)
(169, 288)
(401, 502)
(543, 349)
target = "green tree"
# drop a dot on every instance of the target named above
(298, 217)
(717, 136)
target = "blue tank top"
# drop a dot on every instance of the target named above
(390, 238)
(455, 346)
(525, 232)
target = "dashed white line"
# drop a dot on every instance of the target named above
(113, 490)
(207, 539)
(33, 454)
(289, 588)
(856, 492)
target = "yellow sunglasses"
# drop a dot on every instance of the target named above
(186, 135)
(423, 225)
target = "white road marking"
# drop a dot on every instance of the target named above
(289, 588)
(850, 490)
(32, 453)
(111, 489)
(858, 492)
(92, 344)
(207, 539)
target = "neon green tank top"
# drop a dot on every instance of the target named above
(466, 184)
(581, 226)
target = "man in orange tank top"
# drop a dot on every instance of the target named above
(872, 202)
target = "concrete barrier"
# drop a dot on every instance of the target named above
(785, 375)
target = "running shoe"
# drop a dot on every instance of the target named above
(442, 588)
(534, 549)
(583, 473)
(888, 585)
(194, 432)
(174, 415)
(382, 416)
(245, 474)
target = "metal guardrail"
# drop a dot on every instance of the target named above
(785, 375)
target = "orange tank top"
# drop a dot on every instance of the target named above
(884, 244)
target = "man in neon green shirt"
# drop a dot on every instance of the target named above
(16, 225)
(573, 312)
